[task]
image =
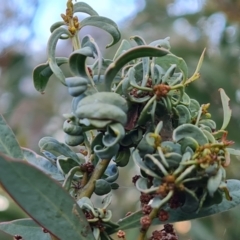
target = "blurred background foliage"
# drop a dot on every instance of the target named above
(192, 25)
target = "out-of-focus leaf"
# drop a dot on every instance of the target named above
(136, 52)
(26, 228)
(233, 151)
(139, 41)
(84, 8)
(51, 48)
(227, 112)
(43, 72)
(104, 23)
(8, 142)
(161, 43)
(44, 200)
(43, 164)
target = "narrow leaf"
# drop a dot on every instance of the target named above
(227, 112)
(51, 48)
(26, 228)
(139, 41)
(44, 200)
(43, 72)
(134, 53)
(196, 74)
(56, 25)
(84, 8)
(104, 23)
(8, 143)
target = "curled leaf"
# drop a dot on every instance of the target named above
(115, 133)
(76, 85)
(43, 72)
(189, 130)
(77, 62)
(102, 111)
(106, 152)
(134, 53)
(51, 48)
(84, 8)
(104, 23)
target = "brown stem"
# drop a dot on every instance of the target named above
(84, 179)
(88, 189)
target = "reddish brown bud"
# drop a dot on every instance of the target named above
(145, 222)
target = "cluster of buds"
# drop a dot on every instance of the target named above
(161, 90)
(121, 234)
(87, 167)
(71, 21)
(167, 233)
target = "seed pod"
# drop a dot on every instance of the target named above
(73, 140)
(102, 187)
(76, 85)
